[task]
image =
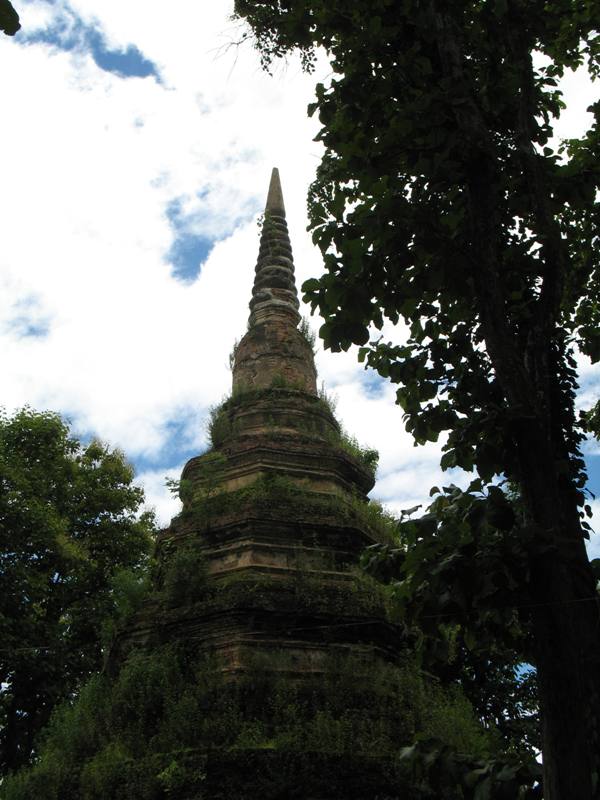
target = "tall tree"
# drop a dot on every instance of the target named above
(441, 202)
(69, 522)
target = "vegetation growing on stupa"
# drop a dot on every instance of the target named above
(221, 426)
(148, 730)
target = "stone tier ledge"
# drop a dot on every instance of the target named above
(321, 468)
(329, 529)
(249, 547)
(238, 635)
(292, 415)
(271, 399)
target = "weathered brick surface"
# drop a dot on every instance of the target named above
(273, 352)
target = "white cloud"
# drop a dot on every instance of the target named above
(579, 93)
(94, 162)
(84, 200)
(158, 497)
(593, 544)
(589, 382)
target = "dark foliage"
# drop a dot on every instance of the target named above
(69, 526)
(9, 19)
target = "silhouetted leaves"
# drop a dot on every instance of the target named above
(9, 19)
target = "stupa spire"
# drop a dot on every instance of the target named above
(274, 352)
(274, 292)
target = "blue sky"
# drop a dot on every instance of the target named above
(69, 32)
(140, 155)
(189, 249)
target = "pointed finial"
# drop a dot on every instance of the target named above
(275, 196)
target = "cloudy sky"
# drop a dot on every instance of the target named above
(137, 143)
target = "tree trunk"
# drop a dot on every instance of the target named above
(568, 662)
(565, 614)
(566, 629)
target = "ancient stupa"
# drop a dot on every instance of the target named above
(281, 496)
(263, 663)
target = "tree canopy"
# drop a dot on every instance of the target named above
(9, 19)
(70, 522)
(443, 204)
